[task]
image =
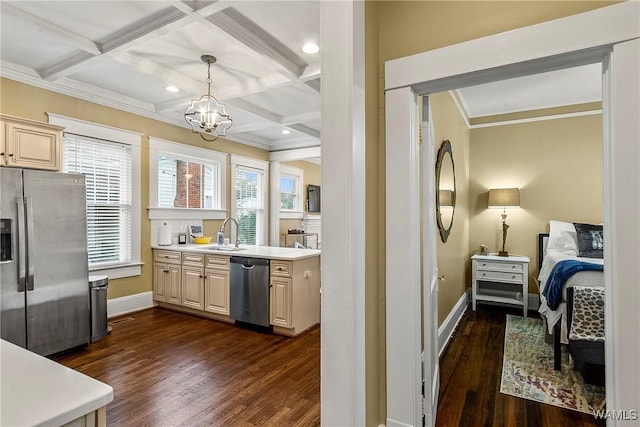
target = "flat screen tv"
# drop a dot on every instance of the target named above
(313, 198)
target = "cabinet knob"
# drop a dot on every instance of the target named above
(2, 154)
(10, 154)
(484, 274)
(513, 266)
(513, 277)
(166, 271)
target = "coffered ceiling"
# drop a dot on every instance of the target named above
(124, 53)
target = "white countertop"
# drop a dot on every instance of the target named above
(271, 252)
(37, 391)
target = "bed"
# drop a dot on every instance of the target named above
(563, 245)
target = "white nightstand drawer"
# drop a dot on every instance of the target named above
(499, 266)
(500, 276)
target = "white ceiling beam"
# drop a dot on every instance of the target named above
(247, 32)
(305, 129)
(162, 22)
(75, 39)
(295, 154)
(300, 118)
(250, 127)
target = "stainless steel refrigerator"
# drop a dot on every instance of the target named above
(44, 274)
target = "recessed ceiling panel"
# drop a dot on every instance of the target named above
(94, 20)
(287, 100)
(293, 23)
(24, 45)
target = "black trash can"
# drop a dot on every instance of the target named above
(98, 288)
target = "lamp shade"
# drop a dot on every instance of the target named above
(504, 197)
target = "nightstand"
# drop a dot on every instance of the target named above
(500, 279)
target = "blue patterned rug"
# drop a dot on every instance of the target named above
(527, 370)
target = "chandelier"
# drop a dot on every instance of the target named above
(206, 115)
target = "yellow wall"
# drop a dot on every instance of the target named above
(21, 100)
(557, 164)
(453, 255)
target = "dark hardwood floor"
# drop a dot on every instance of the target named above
(470, 370)
(169, 368)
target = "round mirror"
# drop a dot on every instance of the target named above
(445, 189)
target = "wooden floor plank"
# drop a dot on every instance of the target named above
(471, 369)
(170, 368)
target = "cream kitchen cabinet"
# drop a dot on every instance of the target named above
(216, 284)
(294, 295)
(29, 144)
(167, 276)
(193, 281)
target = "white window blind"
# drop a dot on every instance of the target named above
(107, 169)
(249, 204)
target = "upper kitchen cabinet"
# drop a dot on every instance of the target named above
(29, 144)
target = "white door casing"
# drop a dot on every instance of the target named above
(430, 281)
(575, 40)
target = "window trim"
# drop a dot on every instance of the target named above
(186, 152)
(262, 239)
(298, 174)
(123, 136)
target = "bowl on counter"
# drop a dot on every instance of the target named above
(201, 240)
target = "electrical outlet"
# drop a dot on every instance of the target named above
(307, 274)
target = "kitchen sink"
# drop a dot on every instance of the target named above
(224, 248)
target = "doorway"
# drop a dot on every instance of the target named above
(539, 48)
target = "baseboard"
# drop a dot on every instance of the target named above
(129, 304)
(445, 331)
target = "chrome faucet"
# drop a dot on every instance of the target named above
(224, 224)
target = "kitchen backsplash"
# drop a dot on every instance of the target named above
(176, 225)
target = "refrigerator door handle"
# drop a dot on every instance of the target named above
(31, 265)
(22, 250)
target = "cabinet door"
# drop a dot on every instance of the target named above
(160, 279)
(32, 147)
(173, 288)
(3, 135)
(216, 291)
(280, 301)
(192, 287)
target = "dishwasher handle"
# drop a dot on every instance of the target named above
(248, 267)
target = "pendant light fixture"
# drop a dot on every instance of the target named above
(206, 115)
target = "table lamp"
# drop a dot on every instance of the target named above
(504, 198)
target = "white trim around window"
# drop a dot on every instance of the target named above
(134, 139)
(298, 174)
(188, 152)
(241, 162)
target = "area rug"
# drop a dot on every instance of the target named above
(527, 370)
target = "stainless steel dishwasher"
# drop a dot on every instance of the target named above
(249, 284)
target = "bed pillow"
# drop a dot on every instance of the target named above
(590, 240)
(562, 238)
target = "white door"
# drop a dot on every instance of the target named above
(430, 365)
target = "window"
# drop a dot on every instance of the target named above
(110, 160)
(186, 182)
(291, 194)
(107, 170)
(249, 199)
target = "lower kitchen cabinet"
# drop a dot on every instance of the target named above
(295, 295)
(281, 301)
(199, 284)
(216, 291)
(166, 282)
(166, 276)
(193, 287)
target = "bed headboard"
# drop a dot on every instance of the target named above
(543, 239)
